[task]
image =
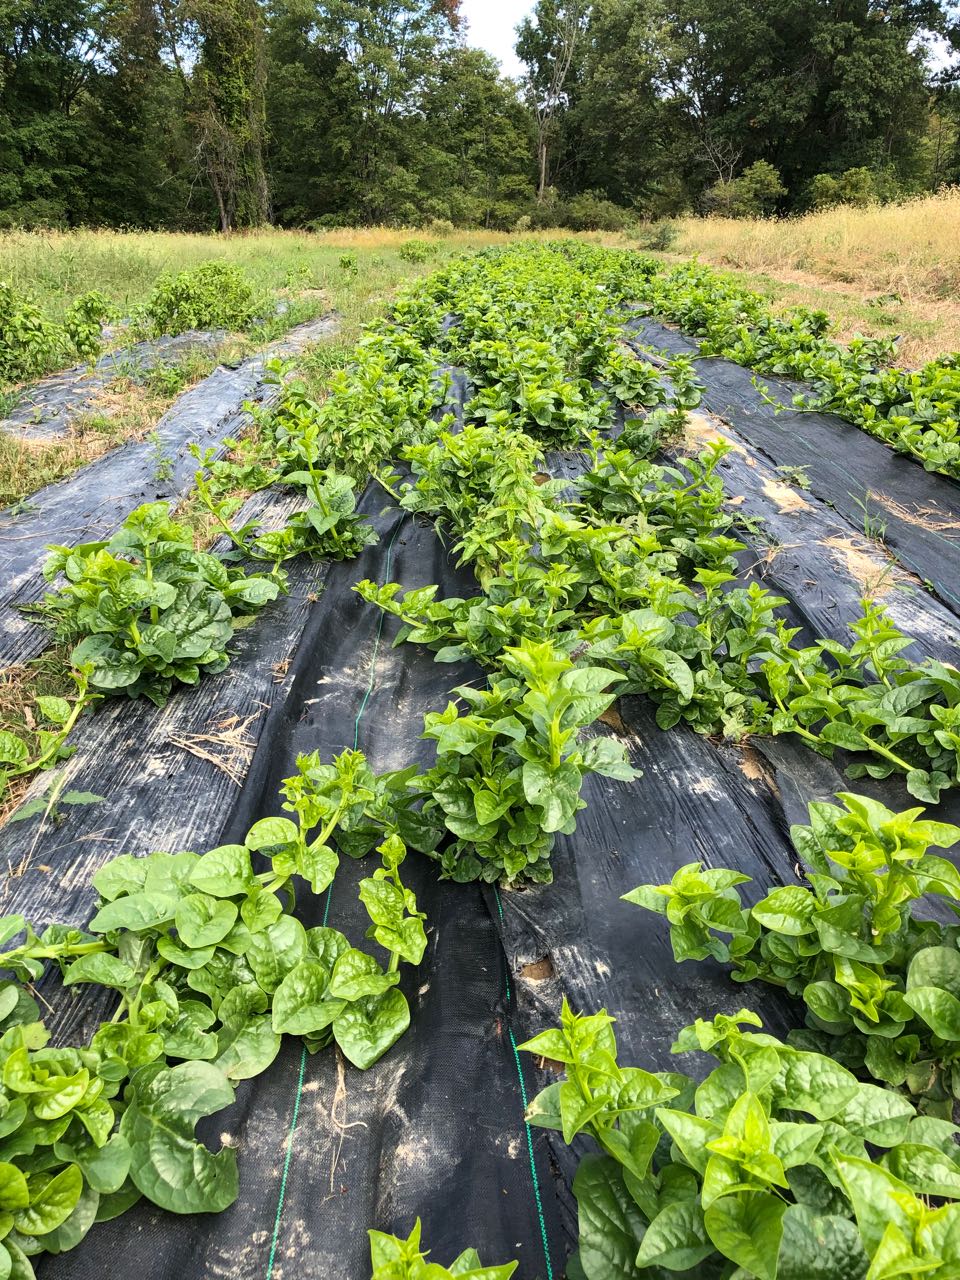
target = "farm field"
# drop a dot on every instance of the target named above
(479, 745)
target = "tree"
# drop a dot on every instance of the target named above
(549, 44)
(623, 137)
(478, 134)
(228, 106)
(51, 52)
(795, 82)
(389, 52)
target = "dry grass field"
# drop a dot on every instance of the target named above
(891, 269)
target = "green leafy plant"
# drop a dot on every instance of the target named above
(416, 251)
(327, 528)
(914, 411)
(84, 322)
(766, 1169)
(211, 295)
(527, 386)
(150, 609)
(57, 717)
(880, 985)
(209, 968)
(394, 1259)
(30, 343)
(509, 768)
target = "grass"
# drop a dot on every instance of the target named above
(886, 270)
(126, 409)
(56, 266)
(350, 272)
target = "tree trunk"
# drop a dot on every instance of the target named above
(543, 157)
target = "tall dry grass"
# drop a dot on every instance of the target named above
(910, 249)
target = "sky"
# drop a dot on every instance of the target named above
(490, 26)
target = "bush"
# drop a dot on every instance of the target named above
(30, 344)
(523, 224)
(858, 187)
(753, 195)
(84, 322)
(417, 250)
(212, 295)
(589, 211)
(440, 227)
(658, 236)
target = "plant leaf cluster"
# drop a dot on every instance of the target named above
(779, 1165)
(208, 967)
(881, 985)
(148, 609)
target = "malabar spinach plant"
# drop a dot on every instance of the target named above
(881, 985)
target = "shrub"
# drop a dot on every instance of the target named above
(30, 343)
(417, 250)
(753, 195)
(658, 236)
(590, 211)
(209, 296)
(523, 224)
(84, 322)
(440, 227)
(858, 187)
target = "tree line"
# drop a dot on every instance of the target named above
(195, 114)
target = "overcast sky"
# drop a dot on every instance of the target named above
(490, 26)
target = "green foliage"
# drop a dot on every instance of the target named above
(212, 295)
(527, 387)
(327, 528)
(880, 985)
(29, 343)
(754, 194)
(84, 322)
(209, 969)
(780, 1165)
(150, 609)
(416, 250)
(55, 717)
(913, 411)
(859, 187)
(509, 769)
(394, 1259)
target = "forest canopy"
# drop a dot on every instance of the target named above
(195, 114)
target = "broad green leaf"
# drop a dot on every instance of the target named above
(357, 974)
(167, 1163)
(274, 951)
(271, 832)
(878, 1198)
(144, 910)
(13, 750)
(611, 1225)
(789, 910)
(820, 1247)
(368, 1027)
(102, 968)
(203, 921)
(223, 872)
(676, 1239)
(13, 1188)
(57, 710)
(302, 1004)
(53, 1197)
(939, 1010)
(747, 1229)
